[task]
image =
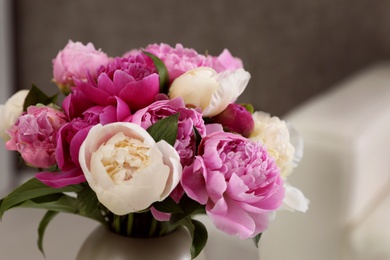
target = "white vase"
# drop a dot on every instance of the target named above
(102, 244)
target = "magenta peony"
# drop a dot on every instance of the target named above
(77, 61)
(238, 182)
(34, 135)
(235, 118)
(133, 79)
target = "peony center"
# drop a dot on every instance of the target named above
(123, 157)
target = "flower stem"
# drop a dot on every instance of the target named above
(130, 220)
(153, 226)
(117, 224)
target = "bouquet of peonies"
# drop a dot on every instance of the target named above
(143, 142)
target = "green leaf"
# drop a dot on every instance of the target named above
(188, 207)
(165, 129)
(256, 239)
(42, 227)
(87, 201)
(199, 239)
(198, 233)
(198, 139)
(53, 202)
(248, 107)
(31, 189)
(35, 96)
(162, 72)
(168, 206)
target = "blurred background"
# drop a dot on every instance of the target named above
(295, 51)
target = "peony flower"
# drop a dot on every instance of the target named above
(274, 134)
(10, 111)
(236, 118)
(204, 88)
(178, 60)
(225, 61)
(188, 119)
(34, 135)
(238, 182)
(77, 61)
(126, 168)
(133, 79)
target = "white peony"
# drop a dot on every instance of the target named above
(10, 111)
(294, 199)
(126, 168)
(274, 134)
(208, 90)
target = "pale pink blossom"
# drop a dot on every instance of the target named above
(34, 135)
(77, 61)
(238, 182)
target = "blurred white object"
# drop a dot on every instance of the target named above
(5, 85)
(345, 173)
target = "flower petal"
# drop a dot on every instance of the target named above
(61, 179)
(232, 84)
(294, 199)
(172, 159)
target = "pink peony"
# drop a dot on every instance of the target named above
(188, 119)
(237, 181)
(34, 135)
(77, 61)
(235, 118)
(133, 79)
(225, 61)
(178, 60)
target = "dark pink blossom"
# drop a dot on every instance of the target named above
(133, 79)
(235, 118)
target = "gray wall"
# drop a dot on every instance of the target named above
(5, 87)
(293, 49)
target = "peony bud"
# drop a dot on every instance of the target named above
(235, 118)
(208, 90)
